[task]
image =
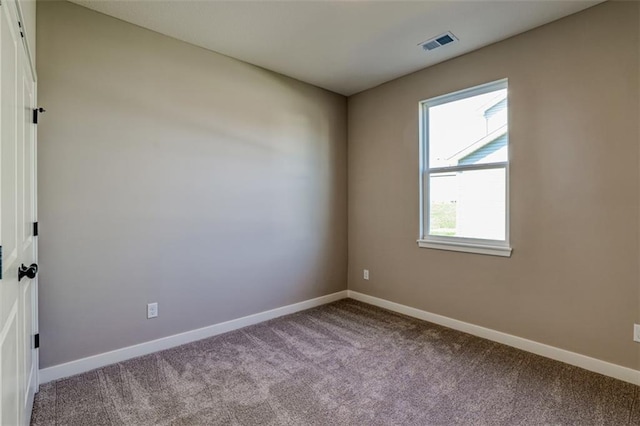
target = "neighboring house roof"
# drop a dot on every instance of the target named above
(498, 105)
(493, 103)
(482, 153)
(481, 148)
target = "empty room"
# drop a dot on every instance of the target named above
(316, 212)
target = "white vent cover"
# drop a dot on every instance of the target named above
(439, 41)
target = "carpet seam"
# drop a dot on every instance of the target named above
(633, 404)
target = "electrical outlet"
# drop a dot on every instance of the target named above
(636, 332)
(152, 310)
(365, 275)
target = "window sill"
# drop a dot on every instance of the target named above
(467, 248)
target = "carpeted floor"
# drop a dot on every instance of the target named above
(346, 363)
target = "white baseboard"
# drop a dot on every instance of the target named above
(100, 360)
(592, 364)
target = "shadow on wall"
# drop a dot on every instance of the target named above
(212, 187)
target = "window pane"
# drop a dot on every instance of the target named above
(470, 204)
(472, 130)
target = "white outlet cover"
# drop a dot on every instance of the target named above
(636, 332)
(152, 310)
(366, 274)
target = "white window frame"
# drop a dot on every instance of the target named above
(463, 244)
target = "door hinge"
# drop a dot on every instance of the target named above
(0, 262)
(36, 341)
(37, 111)
(35, 229)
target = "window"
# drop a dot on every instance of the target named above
(464, 167)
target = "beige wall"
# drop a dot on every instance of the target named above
(572, 281)
(171, 174)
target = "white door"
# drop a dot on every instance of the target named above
(28, 254)
(18, 297)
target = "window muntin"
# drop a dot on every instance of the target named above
(464, 168)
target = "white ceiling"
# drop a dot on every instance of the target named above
(343, 46)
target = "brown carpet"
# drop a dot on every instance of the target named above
(346, 363)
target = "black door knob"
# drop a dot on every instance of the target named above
(29, 272)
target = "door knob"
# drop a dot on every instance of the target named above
(29, 272)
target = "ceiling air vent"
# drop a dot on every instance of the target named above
(439, 41)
